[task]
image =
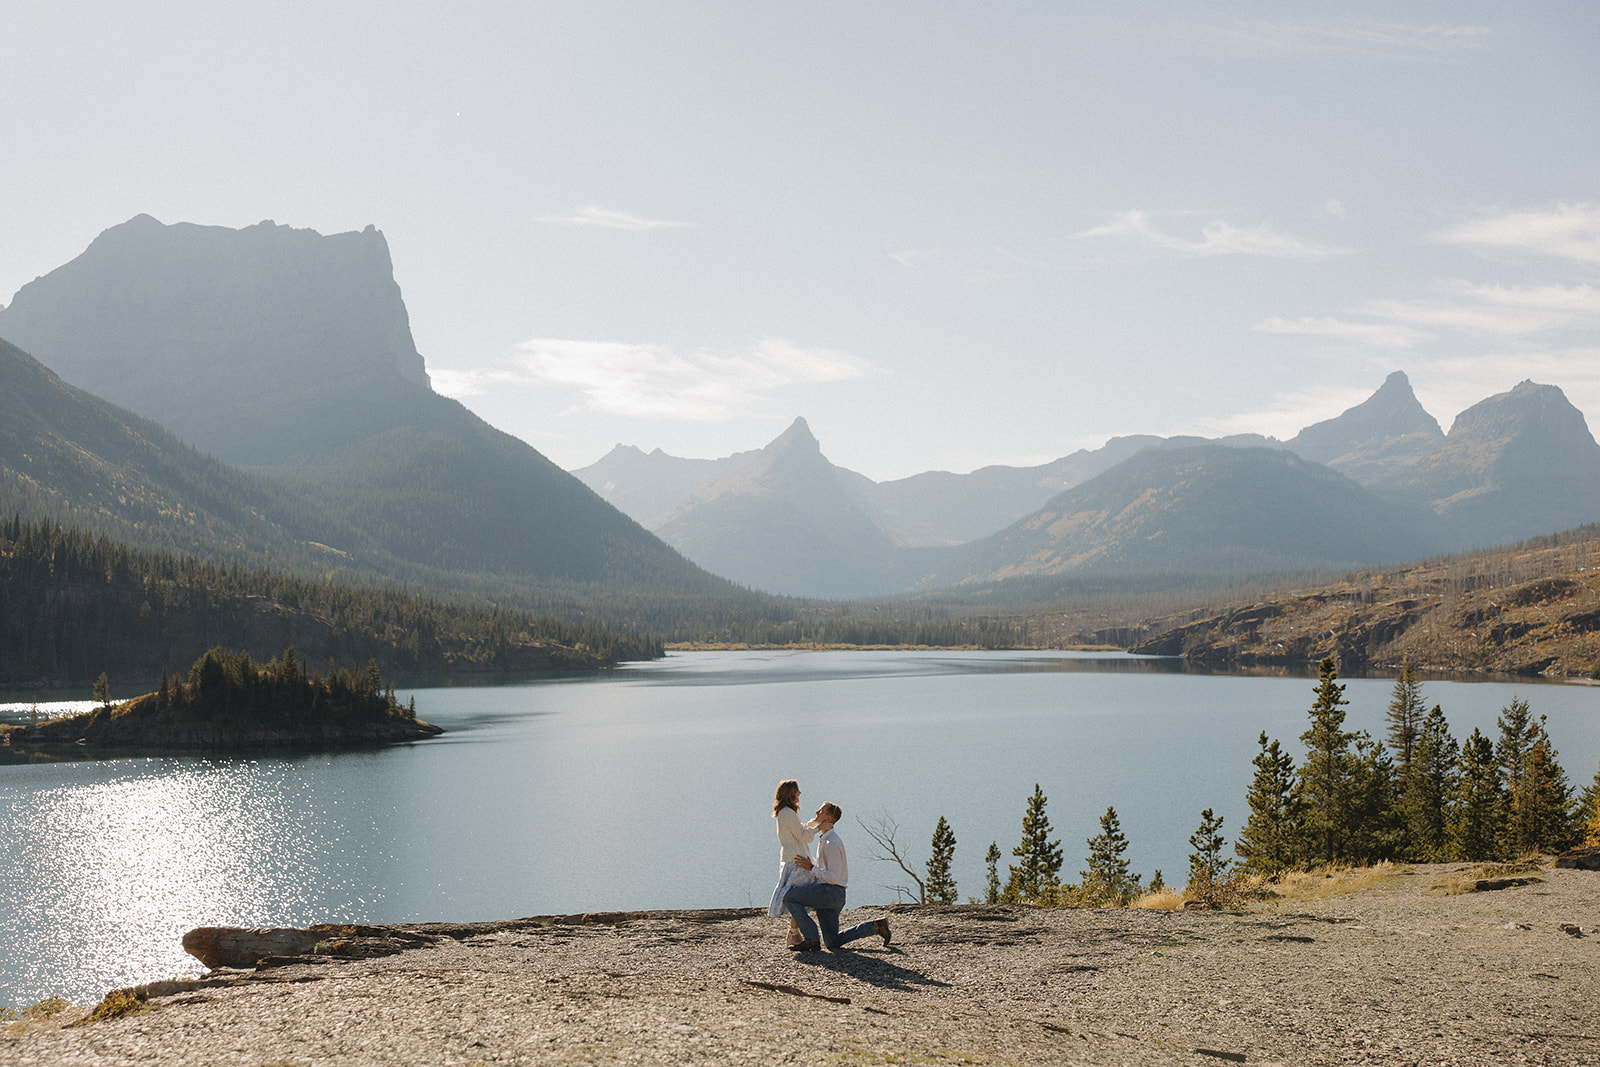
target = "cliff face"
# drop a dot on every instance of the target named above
(291, 352)
(255, 345)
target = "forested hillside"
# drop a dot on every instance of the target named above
(1533, 608)
(73, 605)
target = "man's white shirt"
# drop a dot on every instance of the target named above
(830, 865)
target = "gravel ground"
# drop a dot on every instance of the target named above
(1398, 973)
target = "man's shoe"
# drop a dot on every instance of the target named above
(882, 927)
(806, 946)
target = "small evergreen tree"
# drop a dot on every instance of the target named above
(1038, 873)
(1478, 814)
(1376, 831)
(991, 893)
(1539, 814)
(1108, 882)
(1207, 866)
(1588, 813)
(1427, 790)
(102, 690)
(1328, 781)
(1405, 718)
(940, 887)
(1549, 804)
(1270, 840)
(1511, 752)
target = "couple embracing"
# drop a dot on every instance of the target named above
(815, 884)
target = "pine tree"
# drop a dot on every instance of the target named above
(1539, 814)
(1329, 777)
(940, 887)
(1405, 718)
(1511, 752)
(1548, 795)
(1039, 871)
(1270, 840)
(1588, 813)
(1428, 789)
(1478, 814)
(1107, 882)
(1207, 866)
(991, 894)
(102, 690)
(1376, 829)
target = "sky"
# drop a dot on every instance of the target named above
(948, 235)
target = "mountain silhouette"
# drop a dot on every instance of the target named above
(1519, 464)
(784, 522)
(292, 352)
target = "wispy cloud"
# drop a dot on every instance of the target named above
(595, 215)
(1216, 239)
(1497, 310)
(660, 381)
(1568, 231)
(1386, 335)
(978, 266)
(1384, 40)
(1482, 311)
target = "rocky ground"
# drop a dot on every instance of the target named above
(1406, 971)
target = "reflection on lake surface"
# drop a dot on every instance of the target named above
(649, 787)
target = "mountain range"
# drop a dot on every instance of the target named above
(256, 394)
(1380, 483)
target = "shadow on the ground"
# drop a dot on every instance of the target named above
(872, 967)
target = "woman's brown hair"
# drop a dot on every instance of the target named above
(787, 796)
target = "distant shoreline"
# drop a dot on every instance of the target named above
(824, 646)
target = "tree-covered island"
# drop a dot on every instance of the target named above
(230, 702)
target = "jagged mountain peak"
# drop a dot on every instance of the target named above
(797, 438)
(1392, 412)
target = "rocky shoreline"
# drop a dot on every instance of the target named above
(1414, 969)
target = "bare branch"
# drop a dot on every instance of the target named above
(882, 829)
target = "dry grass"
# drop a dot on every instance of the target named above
(51, 1013)
(1466, 879)
(114, 1006)
(1319, 883)
(1165, 900)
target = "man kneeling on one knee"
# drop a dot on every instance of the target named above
(826, 895)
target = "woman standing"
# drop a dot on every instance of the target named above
(793, 839)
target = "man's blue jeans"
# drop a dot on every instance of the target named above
(828, 901)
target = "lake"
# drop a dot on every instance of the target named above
(651, 787)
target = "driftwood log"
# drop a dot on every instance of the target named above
(237, 946)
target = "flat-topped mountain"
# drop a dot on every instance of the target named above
(296, 324)
(292, 351)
